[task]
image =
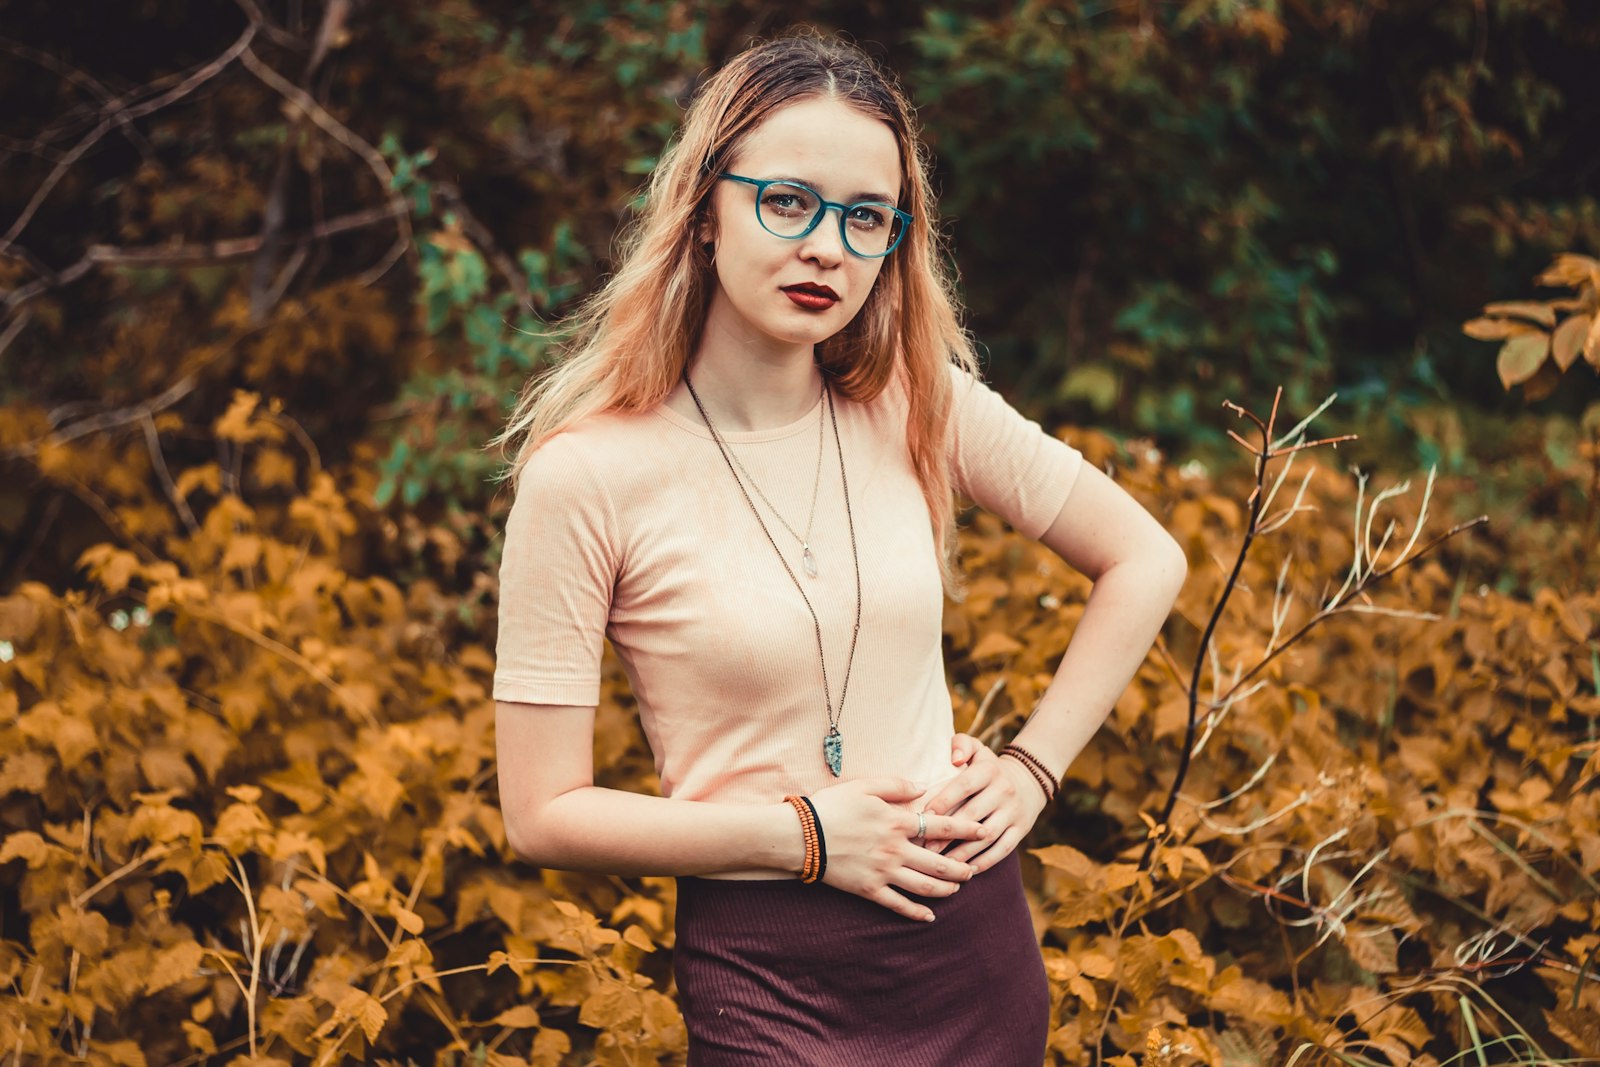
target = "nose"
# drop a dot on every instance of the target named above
(824, 245)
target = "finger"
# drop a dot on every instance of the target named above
(951, 795)
(957, 827)
(900, 905)
(962, 748)
(964, 851)
(935, 866)
(999, 850)
(893, 790)
(926, 885)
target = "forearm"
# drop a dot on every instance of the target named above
(616, 832)
(1124, 613)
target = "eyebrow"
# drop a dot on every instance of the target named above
(853, 198)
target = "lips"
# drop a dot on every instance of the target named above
(810, 296)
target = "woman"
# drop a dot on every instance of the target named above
(742, 475)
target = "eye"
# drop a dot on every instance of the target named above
(866, 217)
(788, 201)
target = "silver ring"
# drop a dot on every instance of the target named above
(922, 825)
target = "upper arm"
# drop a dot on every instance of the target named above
(558, 572)
(1005, 462)
(542, 751)
(1100, 526)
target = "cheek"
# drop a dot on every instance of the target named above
(865, 281)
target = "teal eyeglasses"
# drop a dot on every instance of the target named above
(791, 210)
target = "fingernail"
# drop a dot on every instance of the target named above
(928, 918)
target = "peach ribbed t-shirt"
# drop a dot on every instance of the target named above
(631, 527)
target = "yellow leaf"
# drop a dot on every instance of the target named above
(995, 644)
(234, 424)
(112, 567)
(409, 920)
(1096, 964)
(200, 1038)
(27, 845)
(173, 965)
(1571, 270)
(1567, 342)
(1495, 329)
(636, 936)
(550, 1047)
(1065, 858)
(1521, 356)
(125, 1053)
(1533, 310)
(522, 1017)
(72, 738)
(242, 552)
(207, 476)
(365, 1009)
(86, 931)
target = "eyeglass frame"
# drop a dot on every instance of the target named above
(761, 185)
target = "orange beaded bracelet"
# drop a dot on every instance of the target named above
(812, 866)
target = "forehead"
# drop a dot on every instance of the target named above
(827, 143)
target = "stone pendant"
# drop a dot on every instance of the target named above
(833, 750)
(809, 561)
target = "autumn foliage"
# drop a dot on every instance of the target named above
(249, 793)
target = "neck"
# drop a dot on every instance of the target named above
(746, 385)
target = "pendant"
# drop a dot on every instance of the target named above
(833, 750)
(810, 562)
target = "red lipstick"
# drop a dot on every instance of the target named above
(811, 297)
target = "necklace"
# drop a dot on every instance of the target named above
(833, 740)
(808, 559)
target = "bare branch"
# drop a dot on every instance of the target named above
(116, 113)
(173, 255)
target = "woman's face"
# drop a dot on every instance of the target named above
(775, 290)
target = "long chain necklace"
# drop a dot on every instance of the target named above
(833, 740)
(808, 558)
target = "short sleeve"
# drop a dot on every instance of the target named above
(1005, 462)
(557, 573)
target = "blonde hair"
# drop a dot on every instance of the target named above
(630, 341)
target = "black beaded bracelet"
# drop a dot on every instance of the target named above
(822, 842)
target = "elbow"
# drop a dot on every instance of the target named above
(532, 839)
(1174, 565)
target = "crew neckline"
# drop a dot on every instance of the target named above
(776, 433)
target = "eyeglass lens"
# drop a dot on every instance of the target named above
(787, 210)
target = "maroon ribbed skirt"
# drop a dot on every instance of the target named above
(778, 972)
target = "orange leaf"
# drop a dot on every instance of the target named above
(174, 965)
(1534, 310)
(521, 1017)
(1520, 357)
(996, 644)
(1567, 341)
(1571, 270)
(1495, 329)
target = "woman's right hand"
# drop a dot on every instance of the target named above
(870, 836)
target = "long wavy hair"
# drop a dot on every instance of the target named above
(629, 342)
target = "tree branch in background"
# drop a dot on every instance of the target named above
(1351, 597)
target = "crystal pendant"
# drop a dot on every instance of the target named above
(810, 562)
(833, 750)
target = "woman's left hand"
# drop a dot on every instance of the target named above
(1000, 793)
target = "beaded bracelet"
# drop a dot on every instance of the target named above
(1034, 766)
(811, 866)
(822, 842)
